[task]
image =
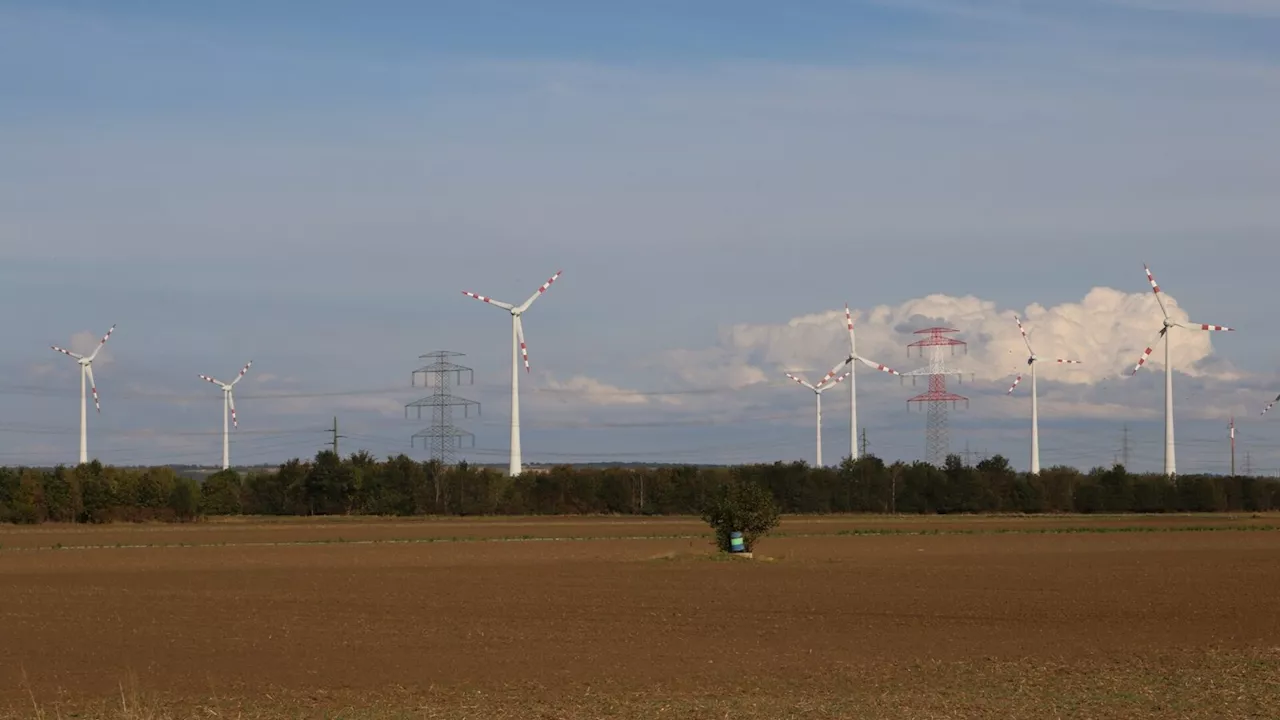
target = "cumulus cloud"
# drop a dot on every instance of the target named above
(1107, 330)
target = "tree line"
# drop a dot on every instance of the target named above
(363, 485)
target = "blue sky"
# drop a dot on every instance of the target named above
(312, 189)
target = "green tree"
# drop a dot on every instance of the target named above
(184, 500)
(740, 506)
(222, 494)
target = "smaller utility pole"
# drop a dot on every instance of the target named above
(864, 442)
(1233, 446)
(336, 436)
(1124, 451)
(1248, 464)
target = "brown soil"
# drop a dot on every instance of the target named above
(259, 530)
(1149, 624)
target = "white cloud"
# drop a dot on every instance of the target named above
(1107, 330)
(591, 391)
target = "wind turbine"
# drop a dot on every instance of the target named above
(1170, 465)
(86, 374)
(817, 394)
(853, 382)
(1032, 359)
(228, 406)
(518, 349)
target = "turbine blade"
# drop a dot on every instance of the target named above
(67, 352)
(231, 402)
(104, 342)
(94, 386)
(802, 382)
(524, 349)
(243, 370)
(1014, 385)
(1070, 362)
(215, 382)
(1155, 289)
(848, 318)
(1025, 339)
(1270, 405)
(1147, 353)
(835, 370)
(877, 366)
(539, 292)
(491, 301)
(1210, 328)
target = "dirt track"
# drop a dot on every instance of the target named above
(620, 617)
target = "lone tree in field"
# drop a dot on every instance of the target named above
(743, 506)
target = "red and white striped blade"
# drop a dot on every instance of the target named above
(1271, 405)
(231, 402)
(1210, 328)
(848, 318)
(1070, 362)
(524, 350)
(1025, 340)
(212, 380)
(834, 370)
(877, 366)
(1155, 289)
(539, 292)
(67, 352)
(803, 382)
(1014, 385)
(243, 370)
(491, 301)
(94, 386)
(1147, 353)
(104, 342)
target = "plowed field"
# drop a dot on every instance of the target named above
(994, 617)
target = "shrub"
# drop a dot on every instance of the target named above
(742, 506)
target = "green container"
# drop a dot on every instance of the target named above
(735, 542)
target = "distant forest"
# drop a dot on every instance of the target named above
(362, 485)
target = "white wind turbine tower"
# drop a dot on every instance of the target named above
(853, 382)
(86, 374)
(518, 349)
(1170, 466)
(817, 394)
(228, 406)
(1032, 359)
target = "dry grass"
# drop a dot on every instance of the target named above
(1209, 685)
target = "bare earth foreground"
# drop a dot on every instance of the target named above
(1115, 617)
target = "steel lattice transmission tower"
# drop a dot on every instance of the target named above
(441, 374)
(937, 439)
